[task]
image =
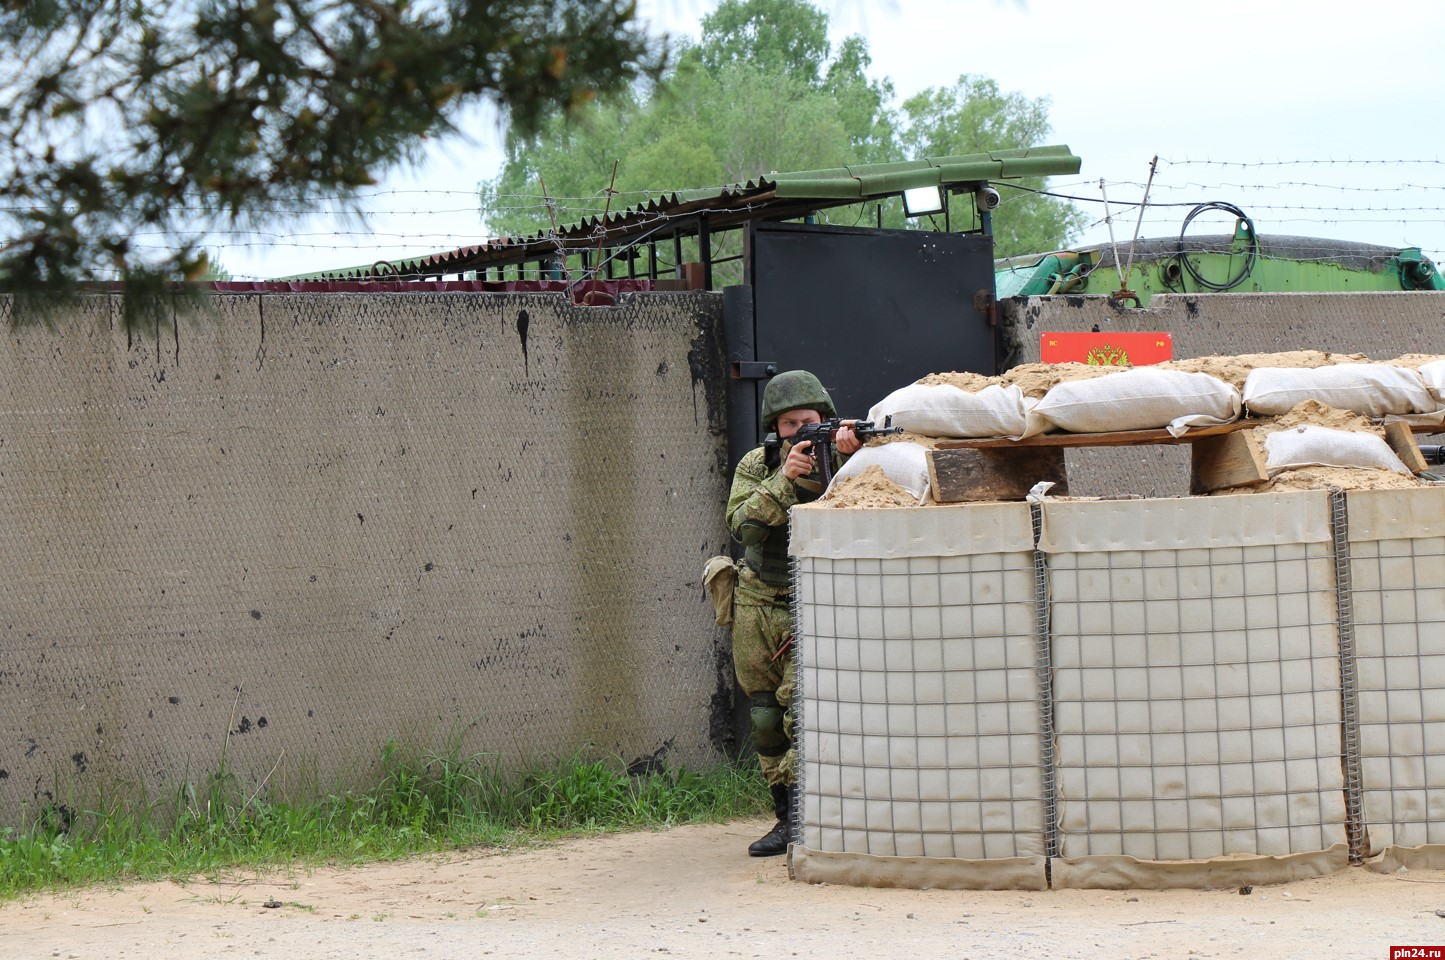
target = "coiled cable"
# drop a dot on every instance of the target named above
(1185, 266)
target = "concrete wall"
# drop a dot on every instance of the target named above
(282, 534)
(1380, 325)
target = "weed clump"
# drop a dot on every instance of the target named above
(421, 804)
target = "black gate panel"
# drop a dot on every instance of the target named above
(866, 310)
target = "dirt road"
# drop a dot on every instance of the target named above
(692, 893)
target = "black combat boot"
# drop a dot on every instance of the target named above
(776, 840)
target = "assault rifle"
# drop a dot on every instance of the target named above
(823, 435)
(1434, 455)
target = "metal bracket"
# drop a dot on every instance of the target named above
(1122, 294)
(753, 369)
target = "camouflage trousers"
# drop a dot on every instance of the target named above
(762, 625)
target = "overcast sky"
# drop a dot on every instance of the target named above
(1318, 119)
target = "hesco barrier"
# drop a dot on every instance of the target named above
(1135, 693)
(267, 540)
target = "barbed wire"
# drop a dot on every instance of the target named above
(537, 201)
(1295, 184)
(1304, 163)
(364, 227)
(1279, 205)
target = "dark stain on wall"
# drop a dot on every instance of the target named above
(511, 652)
(524, 321)
(705, 366)
(246, 726)
(708, 368)
(54, 818)
(725, 721)
(652, 764)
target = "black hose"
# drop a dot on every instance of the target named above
(1188, 267)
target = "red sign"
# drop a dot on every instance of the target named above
(1106, 349)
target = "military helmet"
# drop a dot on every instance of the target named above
(794, 390)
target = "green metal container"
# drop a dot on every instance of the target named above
(1242, 263)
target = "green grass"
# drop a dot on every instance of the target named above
(422, 805)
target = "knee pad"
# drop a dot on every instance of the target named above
(768, 734)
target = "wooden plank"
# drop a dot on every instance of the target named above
(1129, 438)
(1125, 438)
(1228, 460)
(960, 475)
(1401, 439)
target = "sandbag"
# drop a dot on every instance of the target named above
(1143, 398)
(943, 410)
(1310, 445)
(906, 464)
(1433, 376)
(1372, 389)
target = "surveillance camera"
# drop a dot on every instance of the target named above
(986, 199)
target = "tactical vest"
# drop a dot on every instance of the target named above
(769, 559)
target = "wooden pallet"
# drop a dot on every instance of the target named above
(996, 468)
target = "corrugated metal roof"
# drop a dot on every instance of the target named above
(772, 196)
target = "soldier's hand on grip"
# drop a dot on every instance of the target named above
(799, 462)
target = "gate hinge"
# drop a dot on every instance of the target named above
(984, 303)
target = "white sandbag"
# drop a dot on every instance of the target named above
(1143, 398)
(1309, 445)
(1433, 375)
(906, 464)
(943, 410)
(1372, 389)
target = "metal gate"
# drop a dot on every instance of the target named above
(866, 310)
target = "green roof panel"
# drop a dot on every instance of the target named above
(885, 179)
(775, 193)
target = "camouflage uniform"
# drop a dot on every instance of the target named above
(757, 517)
(762, 610)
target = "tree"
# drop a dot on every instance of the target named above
(758, 93)
(128, 125)
(763, 90)
(216, 270)
(789, 38)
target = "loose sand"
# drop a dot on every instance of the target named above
(692, 893)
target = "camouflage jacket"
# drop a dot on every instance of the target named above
(757, 518)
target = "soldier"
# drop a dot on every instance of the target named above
(769, 480)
